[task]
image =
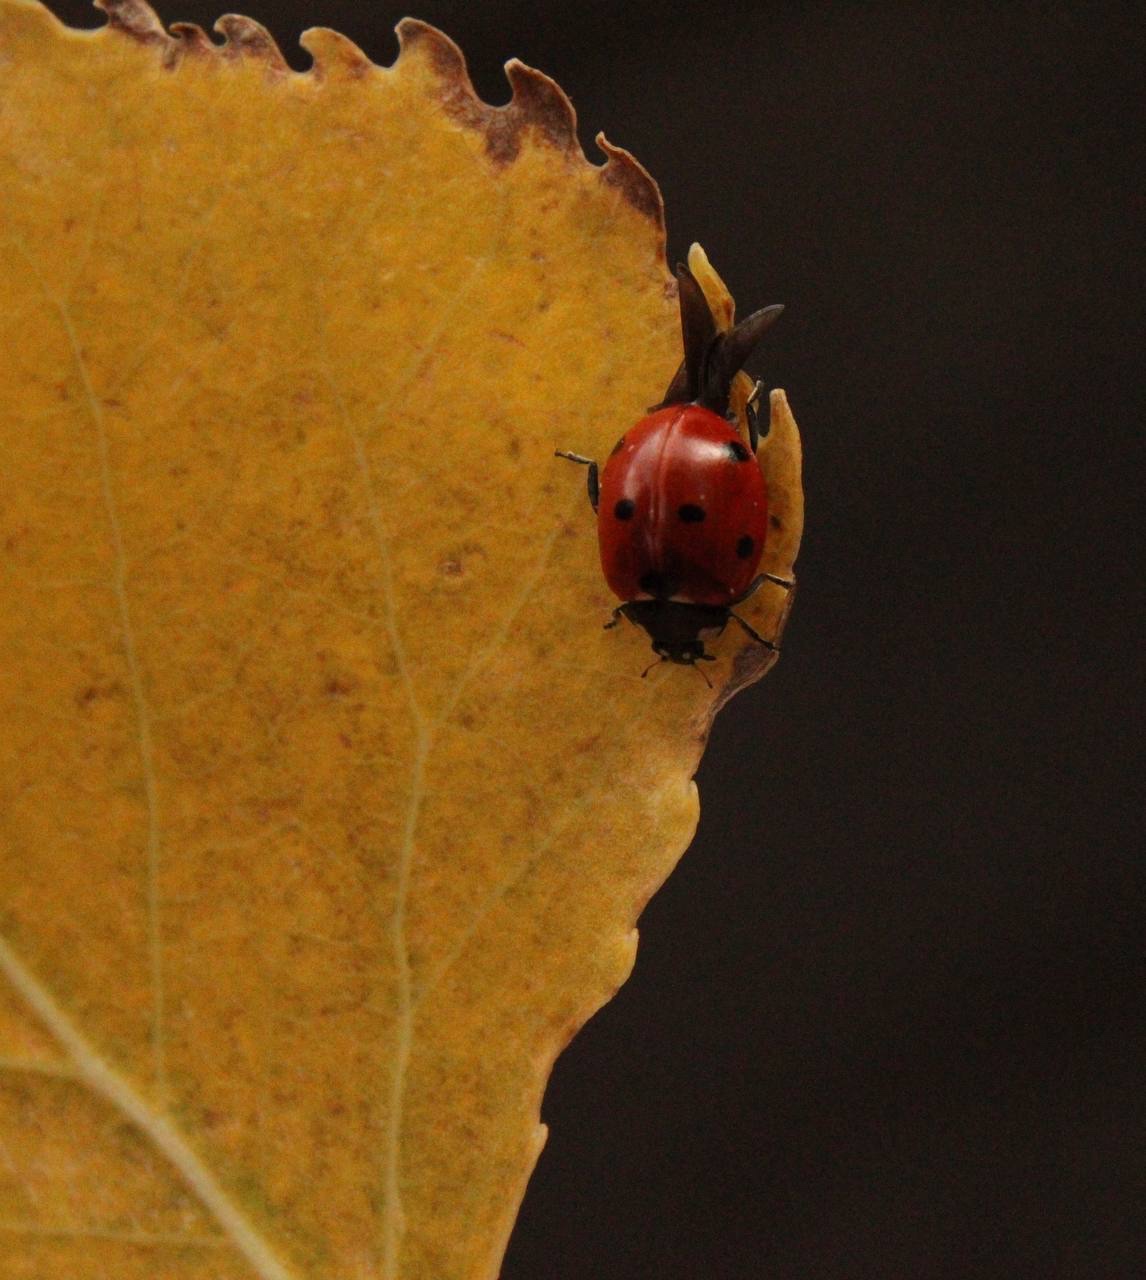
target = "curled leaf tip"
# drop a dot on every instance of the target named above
(243, 37)
(134, 18)
(625, 173)
(334, 54)
(448, 60)
(193, 40)
(247, 38)
(539, 103)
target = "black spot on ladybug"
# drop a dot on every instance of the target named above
(690, 513)
(737, 452)
(617, 447)
(624, 509)
(655, 584)
(744, 547)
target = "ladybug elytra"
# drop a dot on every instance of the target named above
(681, 502)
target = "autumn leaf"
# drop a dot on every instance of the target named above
(327, 806)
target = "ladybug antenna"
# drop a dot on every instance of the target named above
(728, 354)
(703, 674)
(697, 327)
(658, 662)
(698, 331)
(711, 359)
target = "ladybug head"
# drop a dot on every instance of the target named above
(711, 359)
(686, 653)
(675, 626)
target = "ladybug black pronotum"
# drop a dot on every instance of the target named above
(681, 503)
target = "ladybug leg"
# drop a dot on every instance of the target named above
(593, 485)
(760, 580)
(752, 413)
(618, 614)
(768, 644)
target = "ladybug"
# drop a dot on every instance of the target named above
(681, 503)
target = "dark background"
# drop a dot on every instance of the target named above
(887, 1015)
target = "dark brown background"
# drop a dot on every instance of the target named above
(886, 1019)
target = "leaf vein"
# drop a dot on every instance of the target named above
(109, 1085)
(158, 1239)
(392, 1225)
(138, 698)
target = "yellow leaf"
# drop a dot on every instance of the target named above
(327, 806)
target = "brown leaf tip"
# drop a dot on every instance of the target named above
(244, 37)
(247, 38)
(537, 103)
(541, 103)
(193, 40)
(539, 106)
(134, 18)
(333, 52)
(444, 55)
(625, 172)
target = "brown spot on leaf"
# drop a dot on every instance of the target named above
(456, 563)
(511, 338)
(98, 692)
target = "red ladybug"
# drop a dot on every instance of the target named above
(682, 507)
